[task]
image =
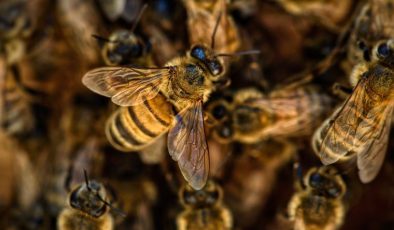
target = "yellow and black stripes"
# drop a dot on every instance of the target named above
(132, 128)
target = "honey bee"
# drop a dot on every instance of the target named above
(15, 27)
(88, 208)
(318, 202)
(373, 23)
(360, 127)
(203, 209)
(124, 47)
(329, 13)
(252, 116)
(202, 15)
(145, 115)
(16, 116)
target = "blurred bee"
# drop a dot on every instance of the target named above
(202, 15)
(123, 47)
(373, 23)
(318, 203)
(360, 127)
(120, 9)
(88, 208)
(145, 115)
(252, 117)
(330, 13)
(14, 28)
(78, 28)
(203, 209)
(16, 116)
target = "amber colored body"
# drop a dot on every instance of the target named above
(317, 203)
(203, 209)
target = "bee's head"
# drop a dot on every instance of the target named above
(13, 19)
(326, 181)
(384, 52)
(88, 198)
(206, 197)
(206, 57)
(123, 47)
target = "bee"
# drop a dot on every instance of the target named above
(318, 202)
(202, 15)
(203, 209)
(124, 47)
(16, 116)
(360, 127)
(329, 13)
(88, 208)
(252, 116)
(15, 28)
(145, 114)
(373, 23)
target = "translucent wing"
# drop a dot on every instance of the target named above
(188, 146)
(126, 86)
(370, 161)
(294, 114)
(352, 128)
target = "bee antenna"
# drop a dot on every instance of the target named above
(240, 53)
(117, 210)
(138, 18)
(215, 30)
(86, 179)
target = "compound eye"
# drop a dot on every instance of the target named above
(383, 50)
(219, 112)
(189, 198)
(74, 200)
(215, 67)
(212, 197)
(315, 179)
(198, 52)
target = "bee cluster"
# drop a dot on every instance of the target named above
(196, 114)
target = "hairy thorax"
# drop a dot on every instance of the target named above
(189, 84)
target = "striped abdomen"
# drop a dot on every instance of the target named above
(133, 128)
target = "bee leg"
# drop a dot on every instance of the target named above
(341, 91)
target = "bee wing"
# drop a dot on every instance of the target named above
(370, 161)
(188, 146)
(352, 127)
(294, 114)
(125, 85)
